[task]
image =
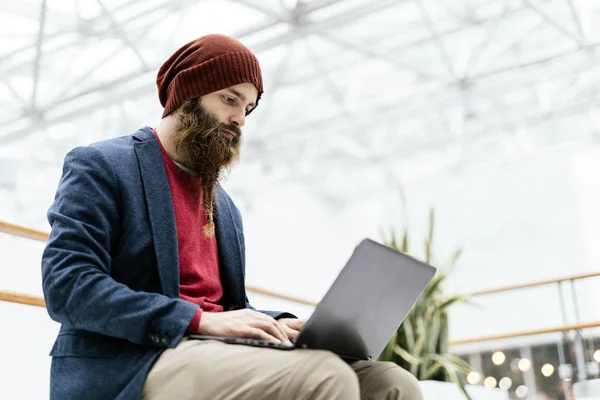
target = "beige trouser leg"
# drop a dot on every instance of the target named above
(386, 381)
(210, 370)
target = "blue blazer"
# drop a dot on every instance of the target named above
(110, 269)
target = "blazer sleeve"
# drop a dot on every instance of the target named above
(274, 314)
(76, 262)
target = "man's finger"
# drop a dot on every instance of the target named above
(258, 333)
(291, 333)
(283, 331)
(272, 328)
(294, 323)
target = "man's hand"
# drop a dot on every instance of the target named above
(242, 323)
(291, 326)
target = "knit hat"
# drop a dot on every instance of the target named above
(205, 65)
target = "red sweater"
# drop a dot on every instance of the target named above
(199, 277)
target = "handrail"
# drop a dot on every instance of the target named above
(43, 236)
(21, 231)
(29, 233)
(536, 283)
(26, 299)
(554, 329)
(22, 298)
(31, 300)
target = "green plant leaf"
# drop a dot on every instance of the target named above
(427, 252)
(392, 240)
(429, 239)
(452, 300)
(451, 361)
(407, 326)
(433, 287)
(431, 370)
(404, 247)
(431, 225)
(406, 355)
(420, 335)
(420, 344)
(444, 338)
(463, 366)
(433, 332)
(454, 377)
(449, 265)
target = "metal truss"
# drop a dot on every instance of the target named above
(358, 83)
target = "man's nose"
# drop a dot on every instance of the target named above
(238, 119)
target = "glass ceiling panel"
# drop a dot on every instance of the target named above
(348, 82)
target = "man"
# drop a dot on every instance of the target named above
(147, 248)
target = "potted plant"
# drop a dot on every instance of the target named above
(420, 345)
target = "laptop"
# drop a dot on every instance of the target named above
(362, 309)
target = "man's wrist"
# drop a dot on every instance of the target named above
(195, 323)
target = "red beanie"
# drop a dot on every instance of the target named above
(205, 65)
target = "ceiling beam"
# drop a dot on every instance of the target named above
(404, 152)
(437, 39)
(554, 23)
(393, 48)
(121, 33)
(366, 8)
(30, 9)
(373, 54)
(17, 129)
(416, 105)
(55, 44)
(38, 53)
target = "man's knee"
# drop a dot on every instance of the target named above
(326, 376)
(387, 381)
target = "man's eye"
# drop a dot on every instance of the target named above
(228, 99)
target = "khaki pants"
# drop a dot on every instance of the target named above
(211, 370)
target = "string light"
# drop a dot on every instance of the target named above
(522, 391)
(498, 358)
(597, 355)
(524, 364)
(505, 383)
(473, 378)
(489, 382)
(547, 370)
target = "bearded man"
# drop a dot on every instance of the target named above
(146, 248)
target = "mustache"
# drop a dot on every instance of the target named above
(231, 128)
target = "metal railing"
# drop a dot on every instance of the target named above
(564, 358)
(33, 234)
(27, 299)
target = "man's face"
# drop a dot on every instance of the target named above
(208, 138)
(231, 105)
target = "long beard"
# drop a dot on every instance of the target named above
(203, 149)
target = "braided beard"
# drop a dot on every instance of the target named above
(203, 149)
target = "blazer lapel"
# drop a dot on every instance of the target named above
(160, 209)
(231, 253)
